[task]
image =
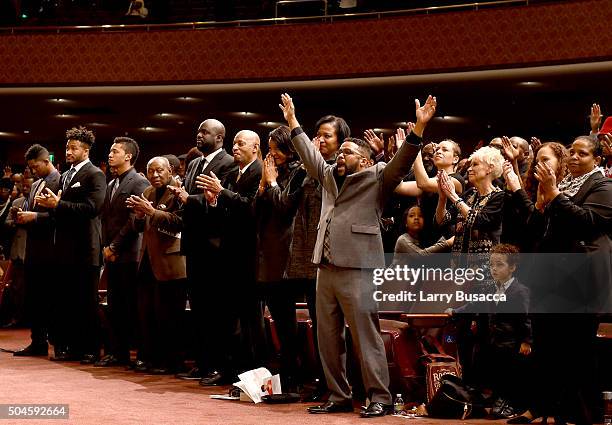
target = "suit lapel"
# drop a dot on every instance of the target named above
(578, 198)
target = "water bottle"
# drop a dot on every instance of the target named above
(398, 406)
(607, 396)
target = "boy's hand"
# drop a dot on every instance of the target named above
(525, 349)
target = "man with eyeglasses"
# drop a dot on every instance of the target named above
(349, 245)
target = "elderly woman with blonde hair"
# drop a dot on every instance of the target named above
(480, 209)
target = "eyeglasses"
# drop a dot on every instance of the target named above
(347, 152)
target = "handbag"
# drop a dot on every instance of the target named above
(455, 400)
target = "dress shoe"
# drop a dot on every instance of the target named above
(141, 366)
(110, 360)
(32, 350)
(89, 359)
(331, 407)
(212, 379)
(63, 356)
(527, 418)
(376, 409)
(193, 374)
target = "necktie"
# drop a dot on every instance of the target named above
(238, 177)
(326, 247)
(69, 176)
(114, 189)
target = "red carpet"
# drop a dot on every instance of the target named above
(115, 396)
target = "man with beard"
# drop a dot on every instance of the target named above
(76, 208)
(200, 244)
(349, 245)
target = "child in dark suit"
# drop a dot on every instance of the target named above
(509, 335)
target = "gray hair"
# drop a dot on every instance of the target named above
(163, 159)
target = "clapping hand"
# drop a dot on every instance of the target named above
(535, 144)
(545, 175)
(179, 192)
(446, 185)
(512, 180)
(49, 199)
(511, 152)
(140, 205)
(210, 183)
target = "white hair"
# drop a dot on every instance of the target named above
(490, 156)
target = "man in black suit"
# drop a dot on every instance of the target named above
(76, 208)
(39, 249)
(233, 198)
(121, 249)
(200, 243)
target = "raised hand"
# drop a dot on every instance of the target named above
(48, 199)
(211, 183)
(510, 151)
(512, 180)
(595, 117)
(400, 137)
(424, 114)
(535, 144)
(376, 143)
(288, 109)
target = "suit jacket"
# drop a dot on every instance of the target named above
(235, 203)
(162, 235)
(39, 245)
(202, 227)
(18, 244)
(77, 218)
(353, 212)
(509, 324)
(116, 230)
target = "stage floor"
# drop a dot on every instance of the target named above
(116, 396)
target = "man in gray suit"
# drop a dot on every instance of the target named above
(349, 245)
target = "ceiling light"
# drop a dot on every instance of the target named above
(530, 84)
(65, 116)
(26, 131)
(58, 100)
(187, 99)
(270, 124)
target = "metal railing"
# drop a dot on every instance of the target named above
(198, 25)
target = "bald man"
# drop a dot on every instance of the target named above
(232, 198)
(200, 244)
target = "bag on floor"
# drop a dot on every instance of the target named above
(455, 400)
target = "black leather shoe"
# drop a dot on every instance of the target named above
(141, 366)
(110, 360)
(376, 409)
(331, 407)
(212, 379)
(89, 358)
(193, 374)
(32, 350)
(63, 356)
